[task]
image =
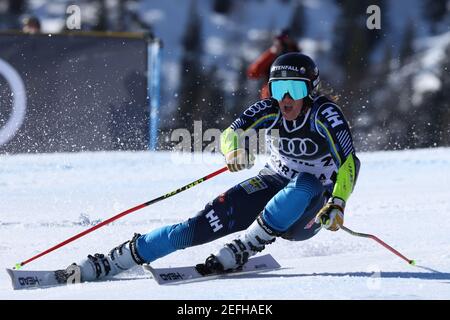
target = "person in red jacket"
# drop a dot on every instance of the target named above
(260, 69)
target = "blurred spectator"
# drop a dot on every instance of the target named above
(31, 25)
(260, 69)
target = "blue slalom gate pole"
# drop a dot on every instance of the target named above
(154, 77)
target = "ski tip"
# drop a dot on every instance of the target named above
(11, 275)
(17, 266)
(412, 262)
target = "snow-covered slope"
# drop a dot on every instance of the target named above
(402, 197)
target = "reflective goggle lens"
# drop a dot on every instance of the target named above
(296, 88)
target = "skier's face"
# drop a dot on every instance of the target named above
(290, 108)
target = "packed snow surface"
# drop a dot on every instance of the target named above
(402, 197)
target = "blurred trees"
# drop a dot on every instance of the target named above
(12, 12)
(437, 105)
(376, 78)
(298, 20)
(102, 17)
(406, 49)
(190, 71)
(435, 11)
(222, 6)
(353, 44)
(121, 16)
(201, 95)
(353, 41)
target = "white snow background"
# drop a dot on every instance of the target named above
(403, 197)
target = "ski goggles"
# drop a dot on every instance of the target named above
(297, 89)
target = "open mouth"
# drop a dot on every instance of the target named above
(288, 109)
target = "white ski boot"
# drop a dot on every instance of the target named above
(119, 259)
(236, 253)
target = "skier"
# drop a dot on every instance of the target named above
(304, 186)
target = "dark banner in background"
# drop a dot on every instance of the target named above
(83, 93)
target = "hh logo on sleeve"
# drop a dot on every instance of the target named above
(332, 116)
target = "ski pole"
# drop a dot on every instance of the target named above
(384, 244)
(122, 214)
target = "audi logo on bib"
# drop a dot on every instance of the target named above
(296, 147)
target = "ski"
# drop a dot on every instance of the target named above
(32, 279)
(27, 279)
(189, 274)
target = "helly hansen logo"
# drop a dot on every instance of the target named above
(214, 221)
(332, 116)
